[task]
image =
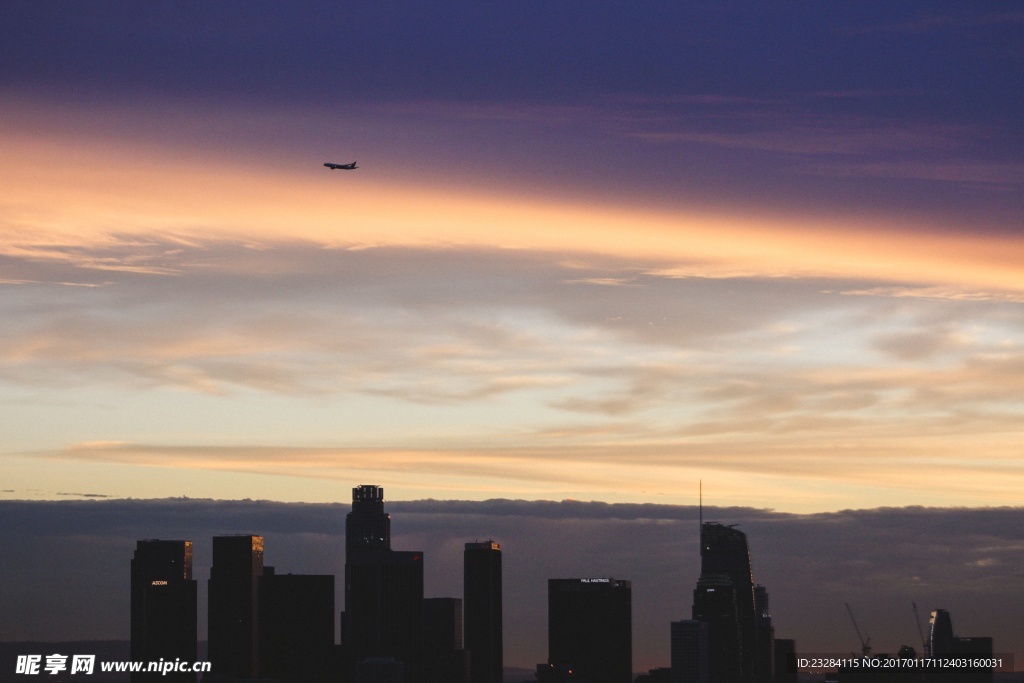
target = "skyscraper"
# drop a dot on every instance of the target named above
(383, 588)
(590, 629)
(689, 643)
(367, 527)
(163, 606)
(724, 597)
(714, 603)
(482, 594)
(296, 627)
(942, 643)
(234, 605)
(784, 654)
(940, 634)
(445, 659)
(764, 637)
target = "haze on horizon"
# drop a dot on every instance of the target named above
(590, 253)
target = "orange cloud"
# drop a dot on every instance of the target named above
(84, 194)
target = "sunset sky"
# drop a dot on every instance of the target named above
(593, 255)
(592, 251)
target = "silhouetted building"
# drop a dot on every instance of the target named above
(590, 629)
(689, 651)
(233, 602)
(714, 602)
(380, 670)
(445, 660)
(482, 595)
(764, 637)
(973, 648)
(660, 675)
(383, 589)
(163, 607)
(785, 661)
(367, 527)
(725, 599)
(940, 634)
(296, 636)
(942, 643)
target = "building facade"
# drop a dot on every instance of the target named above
(590, 629)
(483, 619)
(383, 589)
(233, 603)
(163, 607)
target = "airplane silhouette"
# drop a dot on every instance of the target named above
(344, 167)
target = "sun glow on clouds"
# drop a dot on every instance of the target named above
(97, 189)
(621, 472)
(278, 323)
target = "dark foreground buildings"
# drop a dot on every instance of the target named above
(481, 578)
(730, 638)
(445, 660)
(383, 616)
(233, 600)
(590, 630)
(296, 634)
(724, 599)
(163, 607)
(281, 627)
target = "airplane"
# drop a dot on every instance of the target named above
(344, 167)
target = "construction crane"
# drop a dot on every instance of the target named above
(865, 643)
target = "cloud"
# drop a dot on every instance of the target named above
(505, 368)
(944, 23)
(963, 559)
(80, 495)
(1007, 175)
(911, 345)
(954, 294)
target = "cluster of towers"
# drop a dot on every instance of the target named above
(730, 638)
(390, 632)
(267, 625)
(261, 624)
(281, 627)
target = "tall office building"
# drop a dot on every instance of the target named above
(714, 603)
(445, 660)
(383, 589)
(942, 643)
(784, 652)
(482, 594)
(940, 634)
(233, 601)
(724, 598)
(590, 629)
(367, 527)
(764, 637)
(296, 627)
(689, 651)
(163, 606)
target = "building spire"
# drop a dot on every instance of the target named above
(701, 499)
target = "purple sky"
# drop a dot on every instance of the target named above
(594, 252)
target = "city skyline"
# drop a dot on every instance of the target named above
(888, 560)
(593, 253)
